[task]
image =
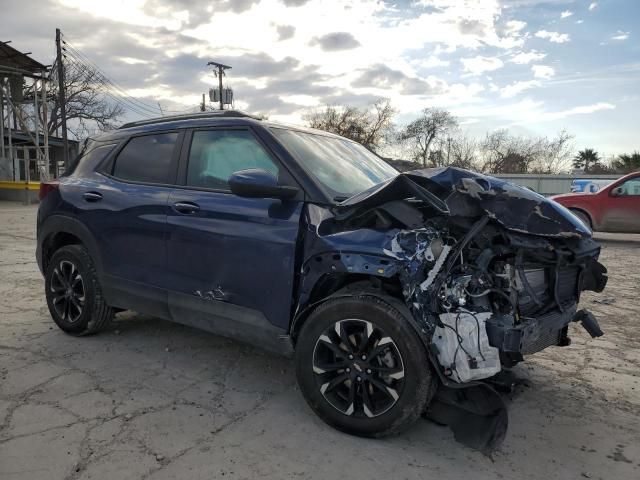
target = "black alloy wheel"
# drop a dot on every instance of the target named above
(362, 367)
(67, 291)
(358, 368)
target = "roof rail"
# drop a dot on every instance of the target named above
(189, 116)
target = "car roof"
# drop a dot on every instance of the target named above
(201, 119)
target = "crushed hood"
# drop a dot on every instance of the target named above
(460, 192)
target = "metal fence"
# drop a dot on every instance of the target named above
(550, 184)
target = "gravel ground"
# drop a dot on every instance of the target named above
(150, 399)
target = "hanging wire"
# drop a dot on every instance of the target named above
(114, 90)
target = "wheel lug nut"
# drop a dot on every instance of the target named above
(363, 357)
(350, 357)
(359, 379)
(369, 371)
(348, 369)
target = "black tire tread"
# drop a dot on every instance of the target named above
(101, 313)
(426, 385)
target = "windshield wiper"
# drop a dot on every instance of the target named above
(340, 198)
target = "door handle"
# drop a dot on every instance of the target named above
(92, 196)
(186, 207)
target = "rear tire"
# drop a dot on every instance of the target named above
(362, 368)
(73, 292)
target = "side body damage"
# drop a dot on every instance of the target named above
(488, 272)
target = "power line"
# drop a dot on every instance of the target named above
(105, 89)
(86, 60)
(109, 83)
(101, 79)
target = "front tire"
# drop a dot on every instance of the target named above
(584, 218)
(73, 292)
(362, 368)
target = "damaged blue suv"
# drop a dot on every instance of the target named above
(399, 294)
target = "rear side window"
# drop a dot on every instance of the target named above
(216, 154)
(146, 159)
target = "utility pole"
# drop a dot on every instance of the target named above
(61, 97)
(202, 105)
(1, 118)
(219, 71)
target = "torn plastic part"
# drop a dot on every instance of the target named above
(476, 414)
(436, 268)
(589, 323)
(463, 346)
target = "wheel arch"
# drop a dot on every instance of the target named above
(586, 213)
(335, 285)
(58, 231)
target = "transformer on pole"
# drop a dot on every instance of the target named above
(224, 96)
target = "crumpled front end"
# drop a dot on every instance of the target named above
(490, 271)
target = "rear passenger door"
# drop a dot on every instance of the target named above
(126, 210)
(230, 259)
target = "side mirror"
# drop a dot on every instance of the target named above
(617, 192)
(258, 183)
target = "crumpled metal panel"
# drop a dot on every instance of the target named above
(460, 192)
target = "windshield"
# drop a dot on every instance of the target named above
(341, 166)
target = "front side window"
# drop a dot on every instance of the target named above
(630, 188)
(147, 158)
(341, 166)
(216, 154)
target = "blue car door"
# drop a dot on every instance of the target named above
(230, 259)
(125, 207)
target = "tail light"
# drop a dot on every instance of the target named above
(47, 187)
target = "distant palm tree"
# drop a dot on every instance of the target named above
(626, 162)
(586, 159)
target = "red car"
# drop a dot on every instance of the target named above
(615, 208)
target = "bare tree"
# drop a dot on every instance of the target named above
(555, 155)
(505, 153)
(370, 126)
(423, 131)
(463, 151)
(87, 103)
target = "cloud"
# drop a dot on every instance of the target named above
(480, 64)
(335, 41)
(523, 58)
(382, 76)
(593, 6)
(471, 27)
(580, 110)
(553, 37)
(518, 87)
(543, 71)
(285, 32)
(294, 3)
(197, 11)
(566, 14)
(620, 35)
(514, 26)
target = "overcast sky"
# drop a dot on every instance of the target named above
(531, 66)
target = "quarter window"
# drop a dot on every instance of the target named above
(216, 154)
(147, 158)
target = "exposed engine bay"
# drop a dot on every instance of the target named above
(490, 271)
